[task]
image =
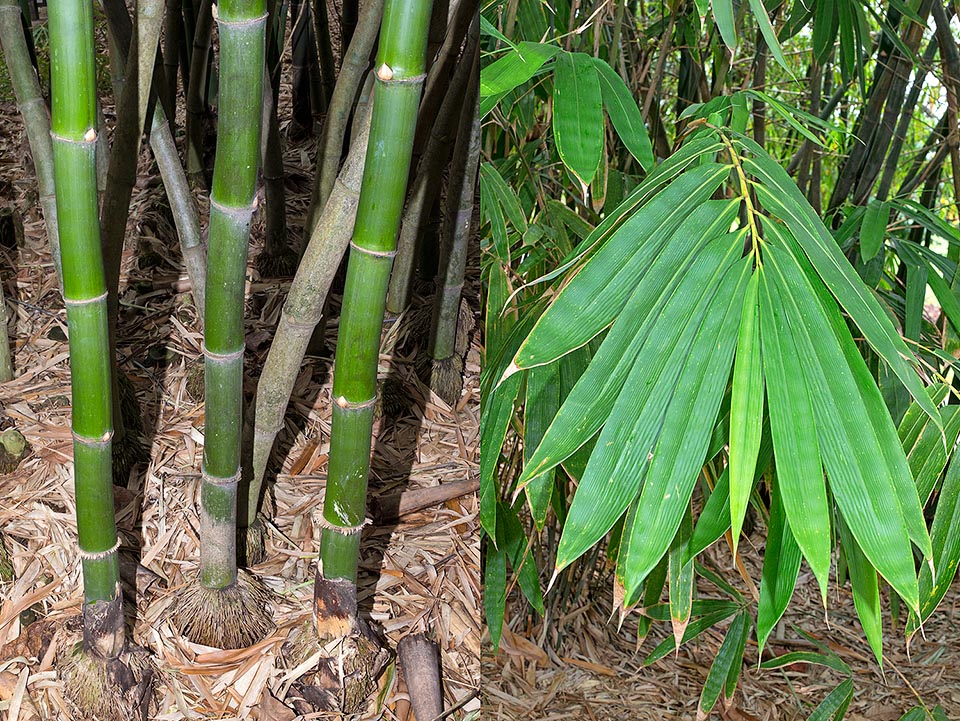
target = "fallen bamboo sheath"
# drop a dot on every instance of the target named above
(397, 505)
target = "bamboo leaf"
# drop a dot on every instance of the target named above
(724, 17)
(614, 473)
(541, 405)
(675, 460)
(866, 591)
(487, 28)
(681, 577)
(829, 660)
(824, 29)
(746, 409)
(723, 610)
(726, 658)
(781, 566)
(578, 114)
(769, 35)
(515, 68)
(780, 195)
(874, 229)
(514, 541)
(834, 706)
(946, 296)
(596, 294)
(494, 592)
(945, 536)
(863, 483)
(625, 115)
(493, 429)
(794, 429)
(588, 404)
(652, 590)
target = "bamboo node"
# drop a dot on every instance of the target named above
(221, 357)
(98, 555)
(369, 251)
(84, 301)
(385, 72)
(321, 521)
(89, 441)
(342, 402)
(218, 481)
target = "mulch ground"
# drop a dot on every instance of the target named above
(581, 666)
(419, 574)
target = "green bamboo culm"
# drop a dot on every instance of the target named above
(227, 609)
(74, 135)
(400, 74)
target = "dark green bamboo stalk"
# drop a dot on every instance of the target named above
(196, 93)
(276, 258)
(426, 186)
(301, 48)
(85, 294)
(324, 67)
(172, 41)
(400, 74)
(303, 307)
(352, 70)
(227, 609)
(36, 120)
(446, 376)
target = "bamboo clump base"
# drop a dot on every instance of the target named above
(419, 573)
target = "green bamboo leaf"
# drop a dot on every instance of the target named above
(864, 483)
(824, 29)
(945, 536)
(578, 114)
(794, 429)
(733, 675)
(874, 229)
(495, 592)
(652, 590)
(780, 195)
(494, 421)
(947, 298)
(866, 591)
(769, 35)
(834, 706)
(638, 411)
(724, 17)
(848, 45)
(514, 541)
(829, 660)
(588, 404)
(491, 211)
(746, 409)
(918, 713)
(515, 68)
(684, 435)
(681, 577)
(927, 456)
(596, 294)
(541, 405)
(504, 195)
(781, 566)
(625, 115)
(488, 28)
(916, 291)
(904, 490)
(723, 611)
(726, 658)
(790, 114)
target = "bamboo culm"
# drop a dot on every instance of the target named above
(400, 74)
(303, 307)
(352, 70)
(36, 120)
(426, 186)
(456, 231)
(242, 28)
(85, 295)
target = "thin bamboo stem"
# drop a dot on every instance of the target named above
(196, 93)
(85, 294)
(400, 75)
(36, 120)
(352, 69)
(456, 230)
